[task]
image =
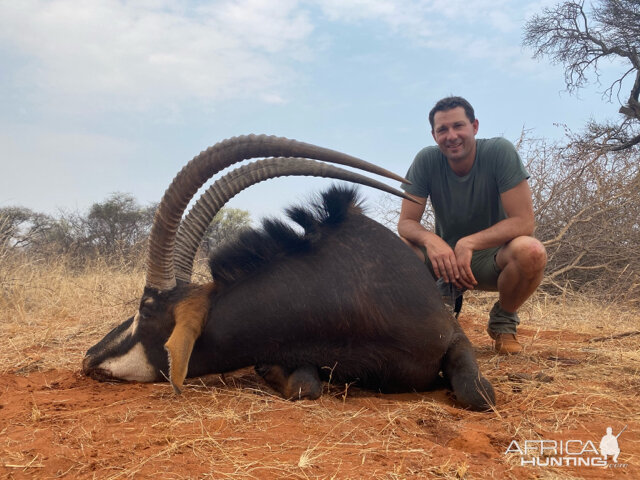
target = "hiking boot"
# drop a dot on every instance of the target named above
(505, 343)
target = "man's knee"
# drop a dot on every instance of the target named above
(528, 253)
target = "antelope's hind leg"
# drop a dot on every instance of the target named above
(301, 383)
(471, 389)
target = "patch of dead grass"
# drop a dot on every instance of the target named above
(55, 423)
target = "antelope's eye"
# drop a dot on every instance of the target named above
(147, 307)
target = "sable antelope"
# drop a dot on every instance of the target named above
(346, 297)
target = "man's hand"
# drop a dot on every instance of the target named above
(463, 253)
(443, 260)
(453, 267)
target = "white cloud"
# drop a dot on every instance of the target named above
(417, 18)
(135, 54)
(466, 30)
(174, 70)
(392, 11)
(99, 55)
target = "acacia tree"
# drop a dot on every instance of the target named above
(118, 225)
(21, 227)
(116, 229)
(580, 40)
(11, 220)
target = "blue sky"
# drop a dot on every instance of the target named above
(103, 96)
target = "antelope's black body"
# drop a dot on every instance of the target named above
(338, 296)
(347, 297)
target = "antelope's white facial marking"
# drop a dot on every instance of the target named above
(134, 324)
(148, 303)
(133, 366)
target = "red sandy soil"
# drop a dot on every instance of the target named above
(59, 424)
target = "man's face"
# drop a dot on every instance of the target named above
(455, 134)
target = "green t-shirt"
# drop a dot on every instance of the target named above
(466, 205)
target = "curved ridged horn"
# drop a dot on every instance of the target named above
(160, 268)
(194, 225)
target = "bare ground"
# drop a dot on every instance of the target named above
(577, 377)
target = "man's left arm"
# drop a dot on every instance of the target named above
(518, 206)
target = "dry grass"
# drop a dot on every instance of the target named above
(45, 306)
(56, 424)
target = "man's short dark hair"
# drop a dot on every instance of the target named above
(449, 103)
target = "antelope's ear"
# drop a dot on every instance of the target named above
(190, 315)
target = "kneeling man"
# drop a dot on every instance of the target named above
(483, 217)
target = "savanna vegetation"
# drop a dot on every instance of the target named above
(66, 279)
